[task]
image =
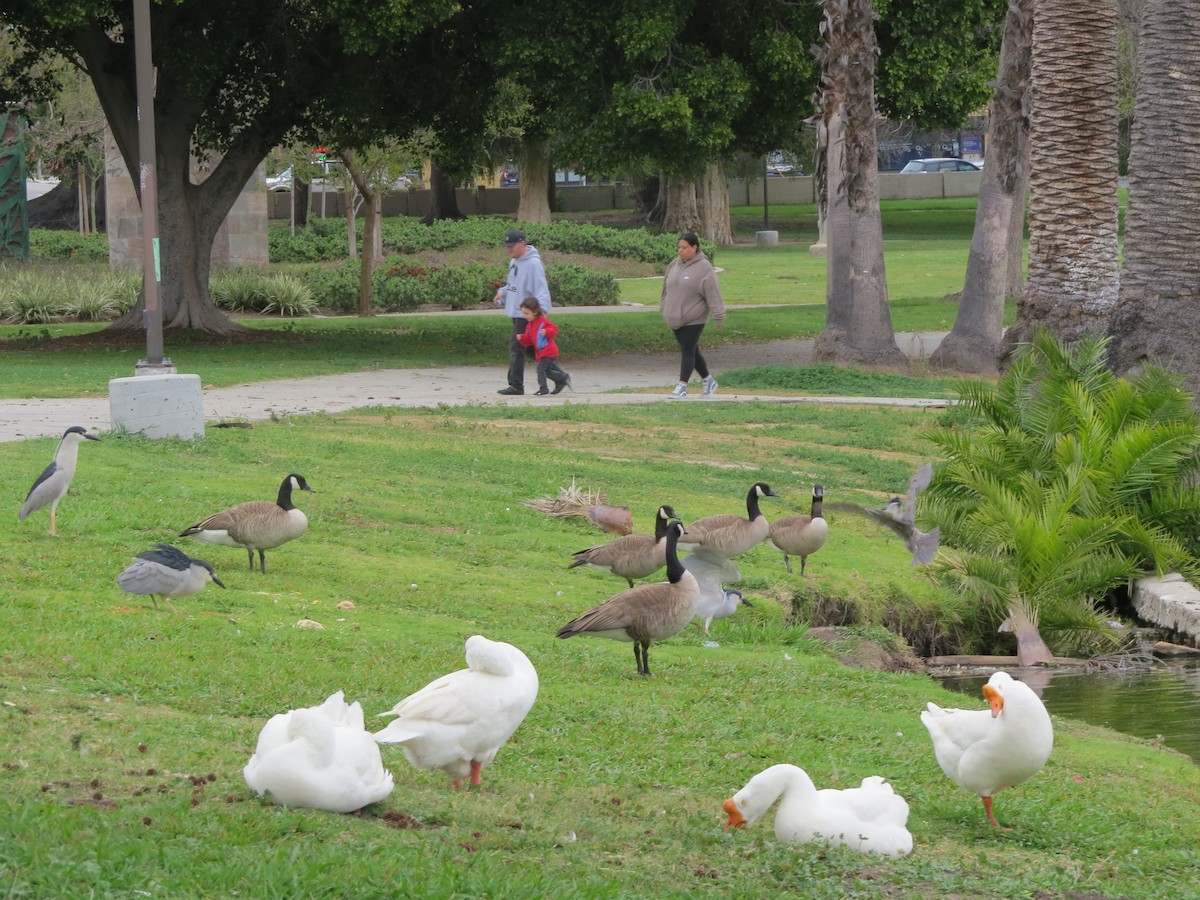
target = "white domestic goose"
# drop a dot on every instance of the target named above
(319, 757)
(871, 818)
(987, 750)
(458, 722)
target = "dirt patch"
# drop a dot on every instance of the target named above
(854, 650)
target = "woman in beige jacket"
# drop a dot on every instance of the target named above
(690, 296)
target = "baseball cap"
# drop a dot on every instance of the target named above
(513, 236)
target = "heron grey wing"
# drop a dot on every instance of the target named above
(916, 484)
(169, 556)
(42, 479)
(924, 546)
(885, 518)
(145, 576)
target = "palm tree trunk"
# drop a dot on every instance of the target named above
(1073, 261)
(1158, 316)
(974, 344)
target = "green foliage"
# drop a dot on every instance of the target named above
(252, 290)
(823, 378)
(61, 245)
(1063, 482)
(572, 285)
(96, 300)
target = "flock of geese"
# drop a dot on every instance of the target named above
(324, 757)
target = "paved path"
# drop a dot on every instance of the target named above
(603, 380)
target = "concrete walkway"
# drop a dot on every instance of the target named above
(609, 379)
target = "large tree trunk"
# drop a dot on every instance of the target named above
(858, 323)
(974, 344)
(535, 186)
(683, 211)
(443, 201)
(189, 214)
(1158, 315)
(713, 205)
(1073, 262)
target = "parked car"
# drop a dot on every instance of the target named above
(509, 178)
(938, 164)
(280, 182)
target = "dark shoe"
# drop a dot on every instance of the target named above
(541, 392)
(566, 382)
(510, 391)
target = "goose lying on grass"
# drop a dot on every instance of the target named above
(987, 750)
(646, 613)
(319, 757)
(871, 818)
(458, 722)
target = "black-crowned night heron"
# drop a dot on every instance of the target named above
(167, 572)
(257, 525)
(801, 535)
(712, 573)
(51, 486)
(898, 516)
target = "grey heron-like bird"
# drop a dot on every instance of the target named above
(257, 525)
(898, 515)
(168, 572)
(51, 486)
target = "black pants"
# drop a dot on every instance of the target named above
(688, 337)
(517, 355)
(548, 368)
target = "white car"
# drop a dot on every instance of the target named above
(939, 164)
(280, 182)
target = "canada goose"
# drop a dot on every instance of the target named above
(801, 536)
(257, 525)
(458, 722)
(712, 573)
(320, 757)
(729, 535)
(987, 750)
(51, 486)
(898, 516)
(632, 556)
(166, 571)
(646, 613)
(871, 818)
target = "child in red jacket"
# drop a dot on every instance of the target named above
(539, 334)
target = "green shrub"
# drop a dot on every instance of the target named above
(572, 285)
(46, 244)
(403, 285)
(98, 299)
(460, 287)
(239, 290)
(287, 295)
(334, 288)
(30, 299)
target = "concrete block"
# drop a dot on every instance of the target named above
(157, 406)
(766, 238)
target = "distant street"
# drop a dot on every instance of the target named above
(35, 189)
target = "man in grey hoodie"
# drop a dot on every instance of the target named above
(526, 278)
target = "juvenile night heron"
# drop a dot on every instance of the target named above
(168, 572)
(257, 525)
(51, 486)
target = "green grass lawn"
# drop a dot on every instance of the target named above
(123, 730)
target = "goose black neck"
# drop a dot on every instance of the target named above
(816, 508)
(675, 568)
(284, 500)
(752, 510)
(661, 524)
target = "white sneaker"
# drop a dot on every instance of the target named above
(679, 393)
(710, 386)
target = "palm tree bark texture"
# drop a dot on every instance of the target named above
(1158, 313)
(1073, 254)
(858, 321)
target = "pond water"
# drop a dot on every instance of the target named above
(1160, 704)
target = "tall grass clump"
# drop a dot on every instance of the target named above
(1062, 483)
(103, 298)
